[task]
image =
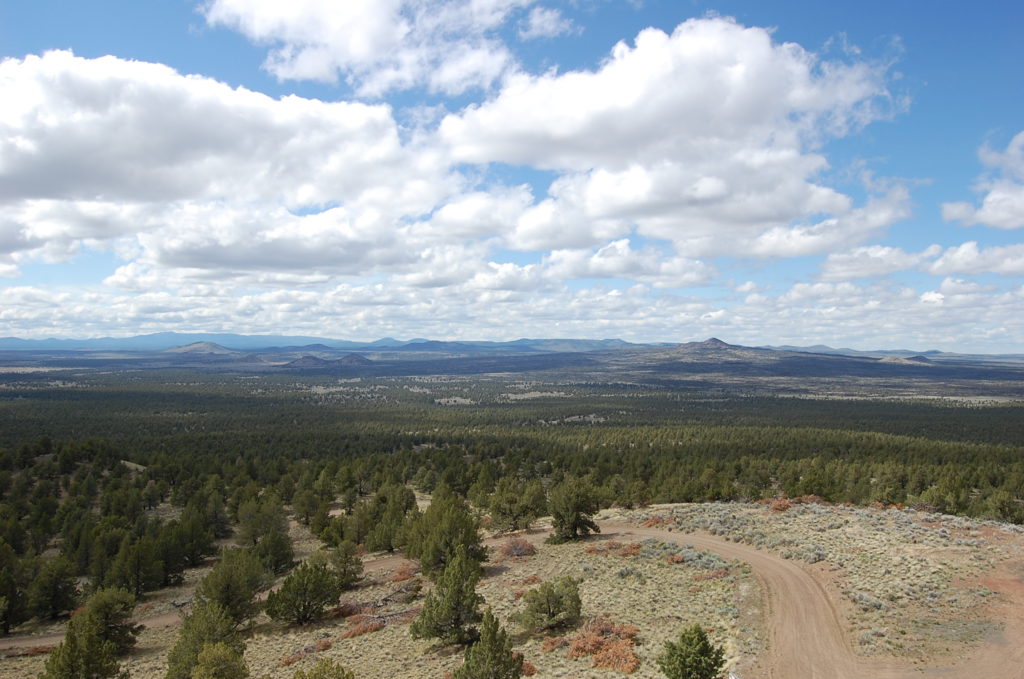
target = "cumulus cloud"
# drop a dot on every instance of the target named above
(378, 46)
(699, 137)
(619, 260)
(968, 258)
(201, 174)
(118, 130)
(872, 261)
(1002, 205)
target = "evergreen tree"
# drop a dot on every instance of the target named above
(515, 505)
(208, 623)
(305, 505)
(305, 594)
(84, 653)
(194, 537)
(453, 606)
(446, 525)
(553, 604)
(12, 590)
(275, 551)
(234, 582)
(692, 656)
(491, 657)
(257, 518)
(112, 608)
(572, 502)
(220, 661)
(347, 565)
(137, 566)
(53, 592)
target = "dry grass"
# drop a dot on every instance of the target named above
(897, 570)
(902, 576)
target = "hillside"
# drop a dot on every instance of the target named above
(913, 592)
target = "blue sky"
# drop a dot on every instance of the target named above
(785, 172)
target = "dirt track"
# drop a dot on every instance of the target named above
(806, 632)
(807, 635)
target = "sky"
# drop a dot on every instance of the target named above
(803, 173)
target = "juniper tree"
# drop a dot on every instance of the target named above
(348, 567)
(112, 609)
(491, 657)
(515, 504)
(220, 661)
(233, 583)
(53, 591)
(84, 653)
(305, 594)
(453, 606)
(571, 503)
(275, 551)
(692, 656)
(208, 623)
(433, 537)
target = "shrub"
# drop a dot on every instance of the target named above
(596, 633)
(692, 656)
(552, 605)
(361, 628)
(611, 645)
(515, 547)
(618, 655)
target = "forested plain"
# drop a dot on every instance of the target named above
(87, 458)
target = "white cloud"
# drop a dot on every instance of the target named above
(618, 260)
(117, 130)
(378, 46)
(872, 261)
(544, 22)
(968, 258)
(704, 137)
(1002, 205)
(200, 175)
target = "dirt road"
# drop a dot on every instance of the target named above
(807, 634)
(807, 638)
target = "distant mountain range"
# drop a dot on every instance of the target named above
(202, 343)
(296, 347)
